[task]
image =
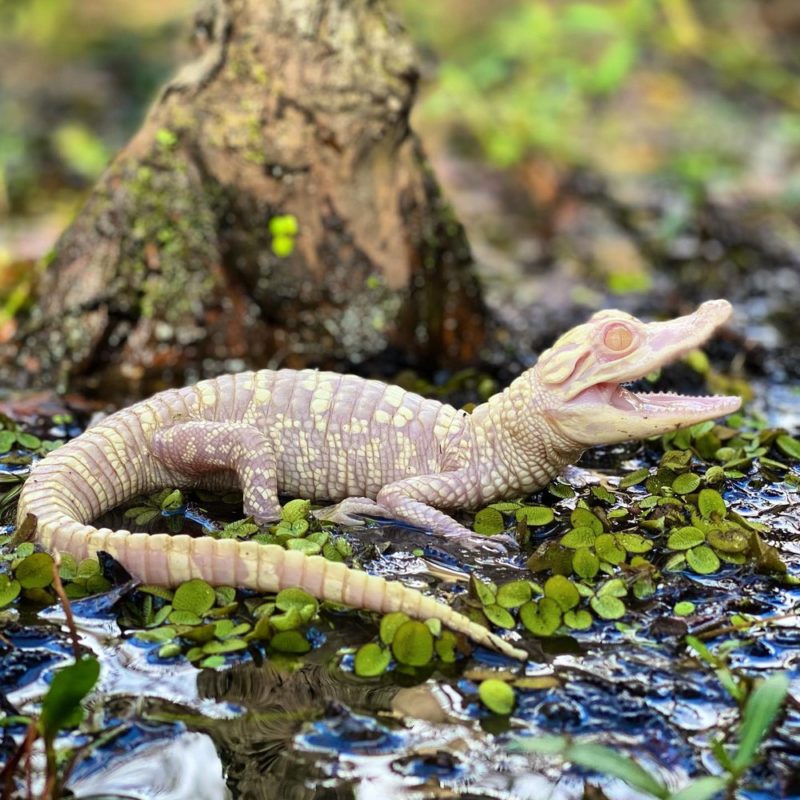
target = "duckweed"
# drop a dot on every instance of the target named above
(497, 696)
(591, 557)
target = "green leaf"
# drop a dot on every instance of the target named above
(710, 502)
(582, 536)
(608, 549)
(579, 620)
(320, 538)
(613, 588)
(61, 706)
(228, 646)
(9, 590)
(608, 607)
(789, 446)
(390, 624)
(169, 650)
(195, 595)
(514, 594)
(68, 568)
(634, 478)
(541, 618)
(224, 595)
(563, 591)
(7, 439)
(607, 761)
(561, 490)
(182, 617)
(583, 517)
(714, 474)
(489, 522)
(163, 634)
(685, 538)
(445, 647)
(199, 633)
(497, 615)
(733, 540)
(506, 507)
(485, 593)
(331, 552)
(262, 630)
(703, 560)
(36, 571)
(536, 515)
(634, 543)
(173, 501)
(701, 648)
(686, 483)
(684, 608)
(295, 510)
(29, 441)
(767, 558)
(157, 591)
(603, 495)
(24, 550)
(304, 545)
(88, 568)
(585, 563)
(371, 660)
(212, 662)
(142, 515)
(299, 600)
(497, 696)
(413, 644)
(763, 705)
(703, 788)
(290, 642)
(238, 529)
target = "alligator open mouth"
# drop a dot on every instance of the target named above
(652, 404)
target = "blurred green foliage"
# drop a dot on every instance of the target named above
(695, 91)
(77, 75)
(697, 96)
(692, 90)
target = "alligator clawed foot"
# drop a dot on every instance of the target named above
(499, 545)
(350, 511)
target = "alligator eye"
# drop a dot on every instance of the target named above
(617, 338)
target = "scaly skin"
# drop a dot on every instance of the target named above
(388, 452)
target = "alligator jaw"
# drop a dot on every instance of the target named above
(597, 409)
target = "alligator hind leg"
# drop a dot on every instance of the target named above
(195, 449)
(415, 500)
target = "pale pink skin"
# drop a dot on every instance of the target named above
(381, 450)
(387, 452)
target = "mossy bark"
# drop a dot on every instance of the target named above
(172, 270)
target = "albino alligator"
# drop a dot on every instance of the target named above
(387, 452)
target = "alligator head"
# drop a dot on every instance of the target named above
(581, 376)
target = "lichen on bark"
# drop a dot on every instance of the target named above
(293, 107)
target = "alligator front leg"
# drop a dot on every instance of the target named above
(195, 449)
(413, 499)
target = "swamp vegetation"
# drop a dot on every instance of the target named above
(636, 154)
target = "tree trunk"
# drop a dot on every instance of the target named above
(275, 209)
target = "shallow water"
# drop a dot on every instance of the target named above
(310, 729)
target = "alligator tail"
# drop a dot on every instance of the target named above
(108, 466)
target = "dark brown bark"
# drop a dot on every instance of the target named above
(294, 107)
